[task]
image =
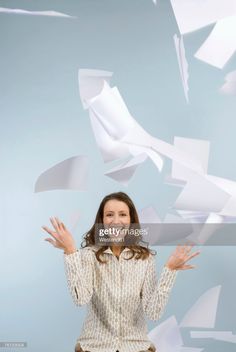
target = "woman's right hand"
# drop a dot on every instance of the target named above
(63, 238)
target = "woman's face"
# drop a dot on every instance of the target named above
(116, 213)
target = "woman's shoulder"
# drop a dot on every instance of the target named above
(151, 259)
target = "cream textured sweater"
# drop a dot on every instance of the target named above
(119, 295)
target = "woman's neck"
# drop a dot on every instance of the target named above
(117, 250)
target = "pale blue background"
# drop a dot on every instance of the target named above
(43, 123)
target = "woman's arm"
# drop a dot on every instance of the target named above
(79, 270)
(79, 265)
(155, 293)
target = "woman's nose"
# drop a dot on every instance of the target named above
(116, 220)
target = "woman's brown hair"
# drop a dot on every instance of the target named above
(140, 252)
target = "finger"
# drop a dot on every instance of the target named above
(184, 250)
(47, 230)
(178, 248)
(189, 247)
(51, 241)
(185, 267)
(193, 255)
(185, 247)
(58, 223)
(63, 226)
(52, 233)
(54, 224)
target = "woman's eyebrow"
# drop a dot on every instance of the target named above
(120, 211)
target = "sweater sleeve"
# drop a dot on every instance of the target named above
(155, 293)
(79, 270)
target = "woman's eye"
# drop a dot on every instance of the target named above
(109, 214)
(124, 215)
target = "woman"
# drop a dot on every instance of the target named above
(119, 283)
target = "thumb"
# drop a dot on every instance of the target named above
(185, 267)
(49, 240)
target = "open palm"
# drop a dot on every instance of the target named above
(62, 237)
(180, 256)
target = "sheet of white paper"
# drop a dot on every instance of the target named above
(154, 156)
(34, 13)
(187, 214)
(174, 230)
(111, 112)
(123, 173)
(183, 64)
(91, 83)
(166, 336)
(228, 186)
(202, 195)
(226, 336)
(199, 150)
(138, 136)
(205, 232)
(190, 205)
(71, 173)
(203, 313)
(191, 15)
(229, 87)
(148, 215)
(229, 210)
(191, 349)
(220, 45)
(174, 182)
(229, 219)
(110, 148)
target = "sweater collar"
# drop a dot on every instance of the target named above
(108, 250)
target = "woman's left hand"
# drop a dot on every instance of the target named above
(180, 256)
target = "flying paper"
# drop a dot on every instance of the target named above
(191, 349)
(71, 173)
(116, 131)
(204, 231)
(229, 87)
(199, 150)
(195, 14)
(203, 313)
(148, 215)
(192, 15)
(220, 45)
(125, 171)
(34, 13)
(226, 336)
(91, 83)
(183, 64)
(202, 195)
(166, 336)
(228, 186)
(110, 148)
